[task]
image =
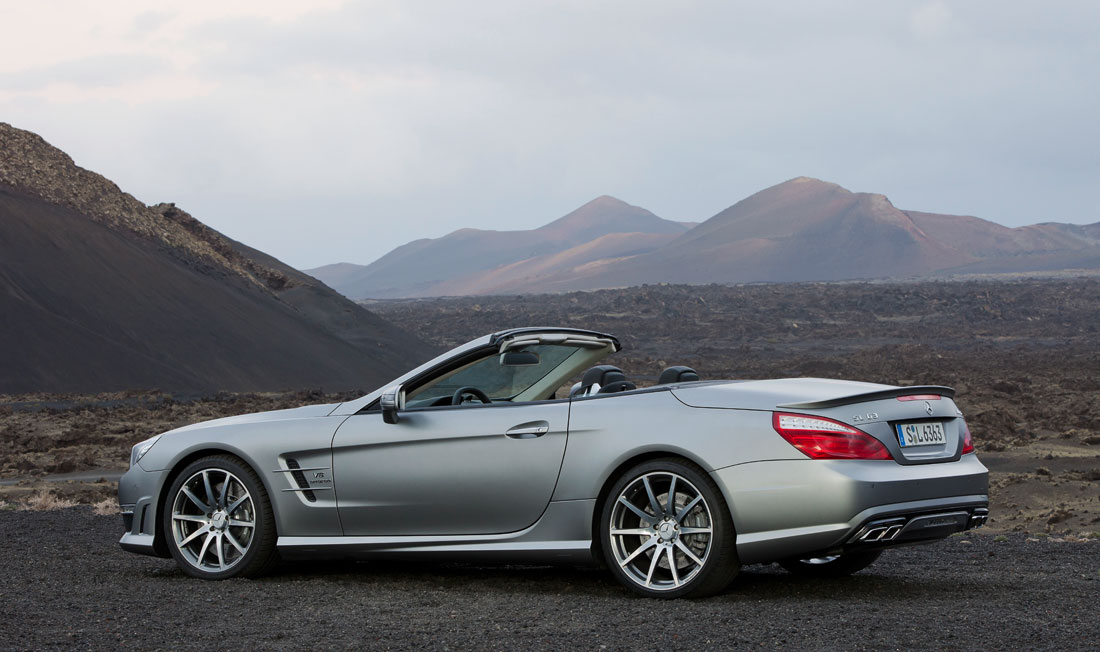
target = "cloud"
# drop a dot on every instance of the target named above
(90, 72)
(934, 20)
(378, 122)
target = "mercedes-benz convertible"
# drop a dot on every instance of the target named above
(525, 446)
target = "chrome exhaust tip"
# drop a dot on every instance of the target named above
(874, 534)
(879, 531)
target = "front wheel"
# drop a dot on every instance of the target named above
(218, 520)
(666, 532)
(832, 565)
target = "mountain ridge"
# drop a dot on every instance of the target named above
(802, 229)
(463, 253)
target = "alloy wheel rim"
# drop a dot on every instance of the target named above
(661, 531)
(213, 520)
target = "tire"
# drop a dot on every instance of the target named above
(218, 521)
(833, 565)
(657, 552)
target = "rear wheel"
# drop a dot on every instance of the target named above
(218, 522)
(666, 532)
(832, 565)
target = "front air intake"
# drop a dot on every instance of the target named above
(300, 480)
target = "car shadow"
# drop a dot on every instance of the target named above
(882, 585)
(474, 576)
(756, 582)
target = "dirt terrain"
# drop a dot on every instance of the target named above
(1023, 355)
(46, 439)
(79, 590)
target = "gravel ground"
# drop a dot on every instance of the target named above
(66, 583)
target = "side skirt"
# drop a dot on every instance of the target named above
(562, 535)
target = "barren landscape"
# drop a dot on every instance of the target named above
(1023, 355)
(975, 592)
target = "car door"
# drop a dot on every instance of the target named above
(450, 470)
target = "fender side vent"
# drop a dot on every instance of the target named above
(300, 480)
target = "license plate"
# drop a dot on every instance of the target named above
(921, 433)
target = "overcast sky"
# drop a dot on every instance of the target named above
(329, 131)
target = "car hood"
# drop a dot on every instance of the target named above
(304, 412)
(769, 394)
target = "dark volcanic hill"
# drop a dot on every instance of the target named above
(470, 261)
(100, 292)
(800, 230)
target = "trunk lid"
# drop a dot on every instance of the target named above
(914, 430)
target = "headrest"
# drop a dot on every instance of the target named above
(678, 374)
(602, 375)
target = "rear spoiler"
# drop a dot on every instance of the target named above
(878, 395)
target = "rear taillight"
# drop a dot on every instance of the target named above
(968, 445)
(824, 439)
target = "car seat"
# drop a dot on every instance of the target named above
(677, 374)
(602, 379)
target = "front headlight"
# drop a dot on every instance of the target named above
(140, 449)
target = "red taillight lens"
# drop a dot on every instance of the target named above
(920, 397)
(824, 439)
(968, 445)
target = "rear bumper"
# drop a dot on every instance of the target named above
(786, 508)
(915, 527)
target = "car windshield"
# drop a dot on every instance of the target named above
(498, 381)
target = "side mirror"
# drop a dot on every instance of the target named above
(519, 359)
(390, 402)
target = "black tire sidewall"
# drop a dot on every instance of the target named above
(262, 508)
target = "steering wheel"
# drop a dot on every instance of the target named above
(456, 399)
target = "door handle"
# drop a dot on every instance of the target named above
(529, 430)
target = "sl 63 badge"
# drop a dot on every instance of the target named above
(870, 416)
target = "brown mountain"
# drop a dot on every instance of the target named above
(800, 230)
(100, 292)
(803, 229)
(1050, 246)
(810, 230)
(522, 276)
(456, 263)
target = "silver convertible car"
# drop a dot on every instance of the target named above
(487, 452)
